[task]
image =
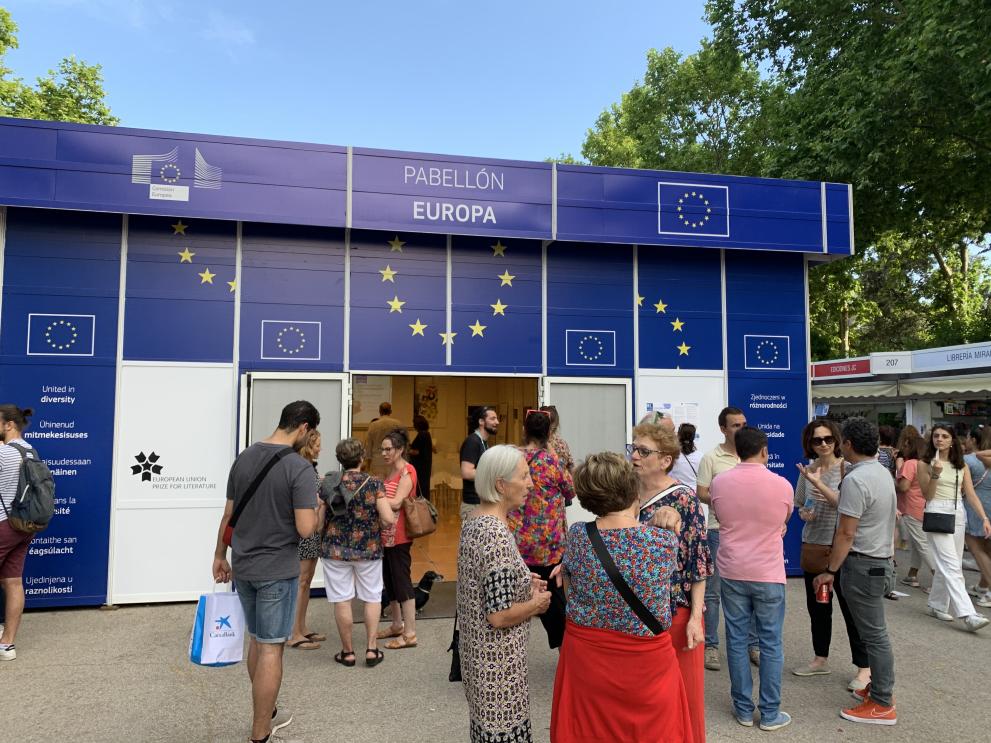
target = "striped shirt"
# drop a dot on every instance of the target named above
(10, 471)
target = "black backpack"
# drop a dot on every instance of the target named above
(34, 502)
(337, 495)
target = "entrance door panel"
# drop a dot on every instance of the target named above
(268, 393)
(596, 416)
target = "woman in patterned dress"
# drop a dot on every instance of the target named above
(309, 550)
(653, 453)
(616, 679)
(497, 596)
(540, 526)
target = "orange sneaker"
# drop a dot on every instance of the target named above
(871, 713)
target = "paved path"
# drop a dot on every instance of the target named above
(90, 675)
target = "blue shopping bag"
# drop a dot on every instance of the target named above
(218, 630)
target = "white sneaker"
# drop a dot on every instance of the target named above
(941, 615)
(975, 622)
(7, 652)
(983, 599)
(280, 719)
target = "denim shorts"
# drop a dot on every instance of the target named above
(269, 608)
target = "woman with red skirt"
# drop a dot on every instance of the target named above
(616, 679)
(653, 453)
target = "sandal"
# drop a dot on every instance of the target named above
(384, 634)
(401, 642)
(306, 644)
(342, 658)
(316, 637)
(910, 581)
(372, 662)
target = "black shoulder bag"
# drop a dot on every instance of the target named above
(250, 492)
(944, 523)
(622, 586)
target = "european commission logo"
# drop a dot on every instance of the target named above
(767, 352)
(692, 209)
(61, 335)
(590, 348)
(290, 340)
(163, 173)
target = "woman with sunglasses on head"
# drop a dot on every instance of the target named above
(817, 495)
(945, 481)
(540, 525)
(653, 453)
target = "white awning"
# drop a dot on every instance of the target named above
(854, 391)
(946, 386)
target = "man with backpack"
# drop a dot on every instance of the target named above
(271, 505)
(24, 474)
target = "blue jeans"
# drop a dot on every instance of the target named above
(746, 602)
(269, 608)
(712, 598)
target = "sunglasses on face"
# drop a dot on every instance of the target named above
(820, 440)
(643, 451)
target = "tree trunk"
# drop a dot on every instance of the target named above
(845, 330)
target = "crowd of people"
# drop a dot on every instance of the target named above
(677, 538)
(644, 582)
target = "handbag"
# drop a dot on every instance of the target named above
(814, 558)
(421, 517)
(943, 523)
(217, 638)
(250, 493)
(645, 615)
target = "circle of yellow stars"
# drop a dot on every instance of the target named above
(291, 334)
(677, 325)
(186, 255)
(388, 273)
(65, 334)
(591, 348)
(695, 219)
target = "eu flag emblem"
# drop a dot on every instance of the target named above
(692, 209)
(61, 335)
(285, 340)
(590, 348)
(767, 352)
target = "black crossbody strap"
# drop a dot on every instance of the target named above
(253, 487)
(622, 586)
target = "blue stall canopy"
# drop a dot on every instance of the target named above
(119, 170)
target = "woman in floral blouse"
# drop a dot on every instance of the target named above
(653, 453)
(351, 549)
(616, 679)
(540, 525)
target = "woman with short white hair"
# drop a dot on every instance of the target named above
(497, 597)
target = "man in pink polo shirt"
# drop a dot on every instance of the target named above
(753, 505)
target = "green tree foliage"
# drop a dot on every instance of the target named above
(72, 92)
(893, 96)
(703, 112)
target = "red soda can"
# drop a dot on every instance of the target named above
(823, 593)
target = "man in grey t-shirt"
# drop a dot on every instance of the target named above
(864, 546)
(264, 552)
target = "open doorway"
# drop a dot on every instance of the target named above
(443, 401)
